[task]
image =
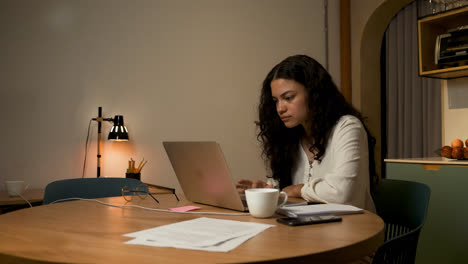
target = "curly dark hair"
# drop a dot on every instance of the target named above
(326, 106)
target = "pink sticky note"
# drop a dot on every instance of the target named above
(184, 208)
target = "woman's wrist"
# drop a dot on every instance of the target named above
(294, 190)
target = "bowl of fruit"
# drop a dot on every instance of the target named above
(456, 151)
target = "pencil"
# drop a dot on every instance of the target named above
(142, 166)
(139, 165)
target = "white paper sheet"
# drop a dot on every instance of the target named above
(200, 234)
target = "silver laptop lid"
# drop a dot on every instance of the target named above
(203, 173)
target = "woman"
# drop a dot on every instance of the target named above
(315, 142)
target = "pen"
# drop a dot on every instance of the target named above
(299, 204)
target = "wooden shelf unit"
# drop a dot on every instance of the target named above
(428, 30)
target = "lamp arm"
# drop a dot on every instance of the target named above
(99, 142)
(100, 119)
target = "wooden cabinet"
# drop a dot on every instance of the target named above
(428, 30)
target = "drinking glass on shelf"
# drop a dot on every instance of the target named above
(424, 8)
(441, 5)
(434, 6)
(450, 4)
(461, 3)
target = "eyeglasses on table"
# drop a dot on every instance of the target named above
(141, 191)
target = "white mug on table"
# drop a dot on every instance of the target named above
(263, 202)
(15, 188)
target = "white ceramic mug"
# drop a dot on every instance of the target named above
(263, 202)
(15, 188)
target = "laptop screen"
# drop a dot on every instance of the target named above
(203, 173)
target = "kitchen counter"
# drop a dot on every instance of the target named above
(431, 163)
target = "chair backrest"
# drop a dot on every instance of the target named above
(403, 207)
(88, 188)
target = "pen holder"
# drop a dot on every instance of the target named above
(133, 175)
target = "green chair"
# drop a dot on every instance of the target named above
(403, 207)
(89, 188)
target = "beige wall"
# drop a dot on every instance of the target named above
(176, 70)
(455, 124)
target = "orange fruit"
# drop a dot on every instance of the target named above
(457, 143)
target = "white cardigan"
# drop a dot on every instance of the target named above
(343, 174)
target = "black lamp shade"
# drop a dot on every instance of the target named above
(118, 131)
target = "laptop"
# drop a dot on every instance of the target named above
(203, 174)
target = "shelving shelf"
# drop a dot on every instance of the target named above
(428, 30)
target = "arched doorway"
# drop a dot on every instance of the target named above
(371, 45)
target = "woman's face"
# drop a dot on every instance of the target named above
(291, 102)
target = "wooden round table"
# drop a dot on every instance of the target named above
(89, 232)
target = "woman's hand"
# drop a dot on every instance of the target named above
(244, 184)
(293, 190)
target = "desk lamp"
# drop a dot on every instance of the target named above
(118, 132)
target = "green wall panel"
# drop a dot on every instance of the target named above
(444, 237)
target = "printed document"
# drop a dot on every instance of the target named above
(200, 234)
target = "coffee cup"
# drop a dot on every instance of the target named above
(15, 188)
(263, 202)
